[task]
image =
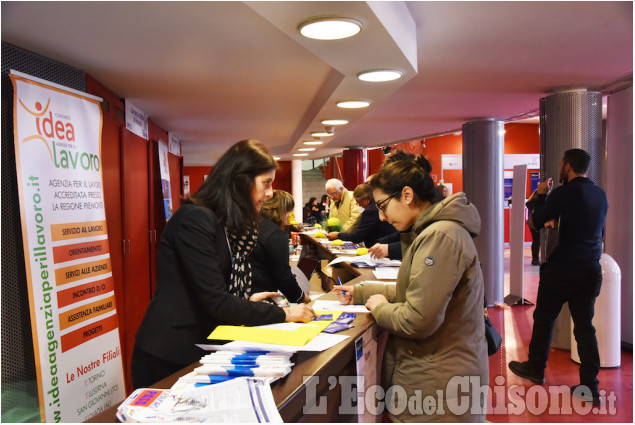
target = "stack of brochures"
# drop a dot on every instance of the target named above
(241, 400)
(223, 366)
(367, 261)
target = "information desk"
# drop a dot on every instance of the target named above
(293, 398)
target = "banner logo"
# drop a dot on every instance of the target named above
(59, 129)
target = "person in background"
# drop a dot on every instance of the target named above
(270, 257)
(572, 273)
(535, 233)
(312, 209)
(324, 206)
(443, 190)
(343, 205)
(203, 274)
(434, 314)
(370, 227)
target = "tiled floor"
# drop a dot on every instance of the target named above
(529, 403)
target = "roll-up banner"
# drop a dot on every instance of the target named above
(164, 167)
(67, 257)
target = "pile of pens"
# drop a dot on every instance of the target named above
(222, 366)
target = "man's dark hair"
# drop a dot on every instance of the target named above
(578, 159)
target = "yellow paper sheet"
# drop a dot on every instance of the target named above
(298, 337)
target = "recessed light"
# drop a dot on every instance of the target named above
(334, 122)
(329, 28)
(350, 104)
(300, 154)
(277, 158)
(313, 142)
(306, 149)
(380, 75)
(322, 134)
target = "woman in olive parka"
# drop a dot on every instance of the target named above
(434, 314)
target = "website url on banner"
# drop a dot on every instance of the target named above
(462, 394)
(39, 255)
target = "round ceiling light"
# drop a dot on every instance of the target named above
(313, 142)
(329, 28)
(380, 75)
(322, 134)
(350, 104)
(334, 122)
(306, 149)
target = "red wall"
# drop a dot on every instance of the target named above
(197, 174)
(283, 177)
(519, 139)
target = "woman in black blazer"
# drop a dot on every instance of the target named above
(270, 257)
(203, 273)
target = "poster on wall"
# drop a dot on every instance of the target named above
(174, 145)
(136, 120)
(67, 257)
(534, 179)
(165, 179)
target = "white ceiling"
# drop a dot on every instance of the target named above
(213, 73)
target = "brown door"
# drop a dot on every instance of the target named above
(136, 236)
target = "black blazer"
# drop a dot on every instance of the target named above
(270, 263)
(370, 227)
(192, 296)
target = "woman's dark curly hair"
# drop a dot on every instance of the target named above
(393, 177)
(227, 189)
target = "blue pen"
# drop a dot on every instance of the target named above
(340, 281)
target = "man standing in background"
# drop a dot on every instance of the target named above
(343, 205)
(571, 274)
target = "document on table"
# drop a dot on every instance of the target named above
(333, 305)
(239, 400)
(388, 273)
(367, 261)
(321, 342)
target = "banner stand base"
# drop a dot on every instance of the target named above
(512, 300)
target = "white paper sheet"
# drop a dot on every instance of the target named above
(388, 273)
(320, 305)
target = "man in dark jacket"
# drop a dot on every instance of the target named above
(572, 273)
(370, 227)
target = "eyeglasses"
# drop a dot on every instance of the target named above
(383, 204)
(332, 195)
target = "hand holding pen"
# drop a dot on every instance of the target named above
(344, 294)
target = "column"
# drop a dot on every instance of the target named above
(619, 190)
(483, 144)
(355, 170)
(296, 188)
(570, 118)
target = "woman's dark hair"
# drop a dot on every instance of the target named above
(277, 207)
(227, 189)
(324, 199)
(399, 155)
(310, 203)
(394, 176)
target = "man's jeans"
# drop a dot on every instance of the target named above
(579, 285)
